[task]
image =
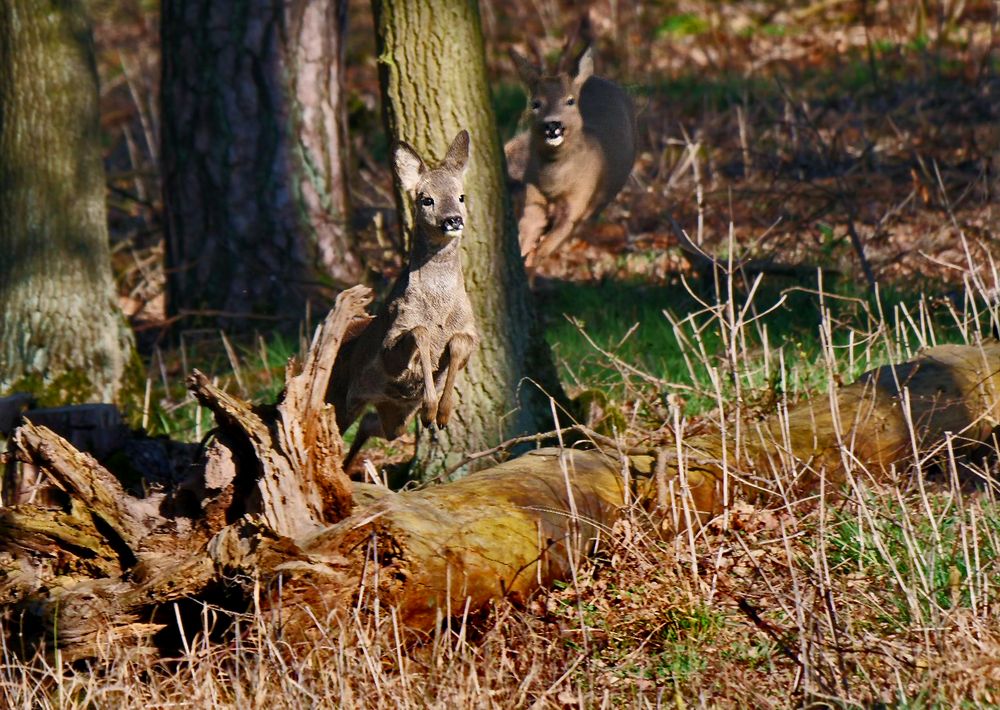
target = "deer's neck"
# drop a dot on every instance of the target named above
(428, 258)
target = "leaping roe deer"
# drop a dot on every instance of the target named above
(409, 355)
(581, 147)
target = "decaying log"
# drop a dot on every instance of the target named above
(502, 532)
(893, 416)
(80, 476)
(96, 429)
(283, 530)
(301, 484)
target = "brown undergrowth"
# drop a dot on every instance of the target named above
(770, 608)
(768, 130)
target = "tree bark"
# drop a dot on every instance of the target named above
(254, 152)
(60, 328)
(434, 83)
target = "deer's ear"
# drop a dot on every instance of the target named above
(529, 73)
(409, 166)
(584, 68)
(457, 158)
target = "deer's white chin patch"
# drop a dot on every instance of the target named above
(453, 233)
(554, 142)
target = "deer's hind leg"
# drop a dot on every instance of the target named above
(388, 421)
(534, 220)
(565, 217)
(459, 350)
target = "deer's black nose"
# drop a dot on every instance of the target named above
(553, 129)
(452, 224)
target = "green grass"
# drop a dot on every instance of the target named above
(628, 321)
(930, 554)
(258, 375)
(638, 638)
(509, 103)
(684, 353)
(684, 24)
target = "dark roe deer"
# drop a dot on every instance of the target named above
(409, 355)
(580, 151)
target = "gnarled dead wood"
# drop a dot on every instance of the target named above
(31, 531)
(301, 484)
(502, 532)
(81, 477)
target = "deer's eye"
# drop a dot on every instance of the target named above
(461, 198)
(570, 101)
(535, 105)
(426, 201)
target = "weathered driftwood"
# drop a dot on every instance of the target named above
(502, 532)
(301, 484)
(272, 525)
(104, 563)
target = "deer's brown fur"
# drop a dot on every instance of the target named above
(408, 357)
(581, 147)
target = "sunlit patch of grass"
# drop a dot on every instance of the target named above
(252, 366)
(669, 333)
(919, 552)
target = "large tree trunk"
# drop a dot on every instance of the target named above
(434, 83)
(60, 329)
(254, 154)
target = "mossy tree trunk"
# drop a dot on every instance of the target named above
(254, 154)
(433, 74)
(60, 329)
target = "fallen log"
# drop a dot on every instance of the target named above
(500, 533)
(945, 402)
(279, 523)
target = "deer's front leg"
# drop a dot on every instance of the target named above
(534, 219)
(428, 412)
(564, 220)
(460, 348)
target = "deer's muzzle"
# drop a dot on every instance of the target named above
(452, 224)
(553, 132)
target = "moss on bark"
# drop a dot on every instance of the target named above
(61, 332)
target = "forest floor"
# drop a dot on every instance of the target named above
(800, 142)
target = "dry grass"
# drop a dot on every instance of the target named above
(884, 594)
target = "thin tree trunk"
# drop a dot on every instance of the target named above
(254, 153)
(61, 334)
(433, 75)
